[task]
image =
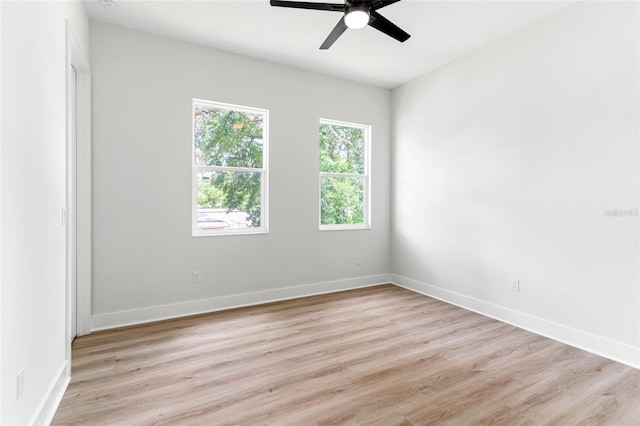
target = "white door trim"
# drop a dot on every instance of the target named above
(71, 251)
(76, 58)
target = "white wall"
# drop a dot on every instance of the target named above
(144, 253)
(1, 346)
(504, 163)
(32, 197)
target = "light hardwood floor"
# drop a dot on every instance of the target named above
(375, 356)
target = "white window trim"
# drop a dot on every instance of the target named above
(264, 182)
(366, 178)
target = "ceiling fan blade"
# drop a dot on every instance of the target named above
(381, 23)
(382, 3)
(335, 33)
(332, 7)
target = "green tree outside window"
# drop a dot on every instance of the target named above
(229, 165)
(343, 174)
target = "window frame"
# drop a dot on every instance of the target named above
(366, 179)
(264, 175)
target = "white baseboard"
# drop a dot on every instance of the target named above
(47, 408)
(598, 345)
(194, 307)
(616, 351)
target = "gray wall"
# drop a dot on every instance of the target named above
(505, 163)
(144, 253)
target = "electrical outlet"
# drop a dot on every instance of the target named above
(514, 284)
(197, 277)
(20, 386)
(360, 259)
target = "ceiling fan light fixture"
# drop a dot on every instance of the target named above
(356, 17)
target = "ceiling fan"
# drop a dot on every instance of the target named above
(357, 14)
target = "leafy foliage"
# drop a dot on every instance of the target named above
(342, 151)
(229, 138)
(342, 201)
(209, 196)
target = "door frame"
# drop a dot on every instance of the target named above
(76, 58)
(71, 208)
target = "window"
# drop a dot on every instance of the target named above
(229, 169)
(344, 175)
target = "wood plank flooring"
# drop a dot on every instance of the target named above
(374, 356)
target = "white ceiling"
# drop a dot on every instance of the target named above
(440, 32)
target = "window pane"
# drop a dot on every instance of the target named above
(228, 138)
(341, 200)
(228, 200)
(341, 149)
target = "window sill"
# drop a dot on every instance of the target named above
(221, 233)
(344, 227)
